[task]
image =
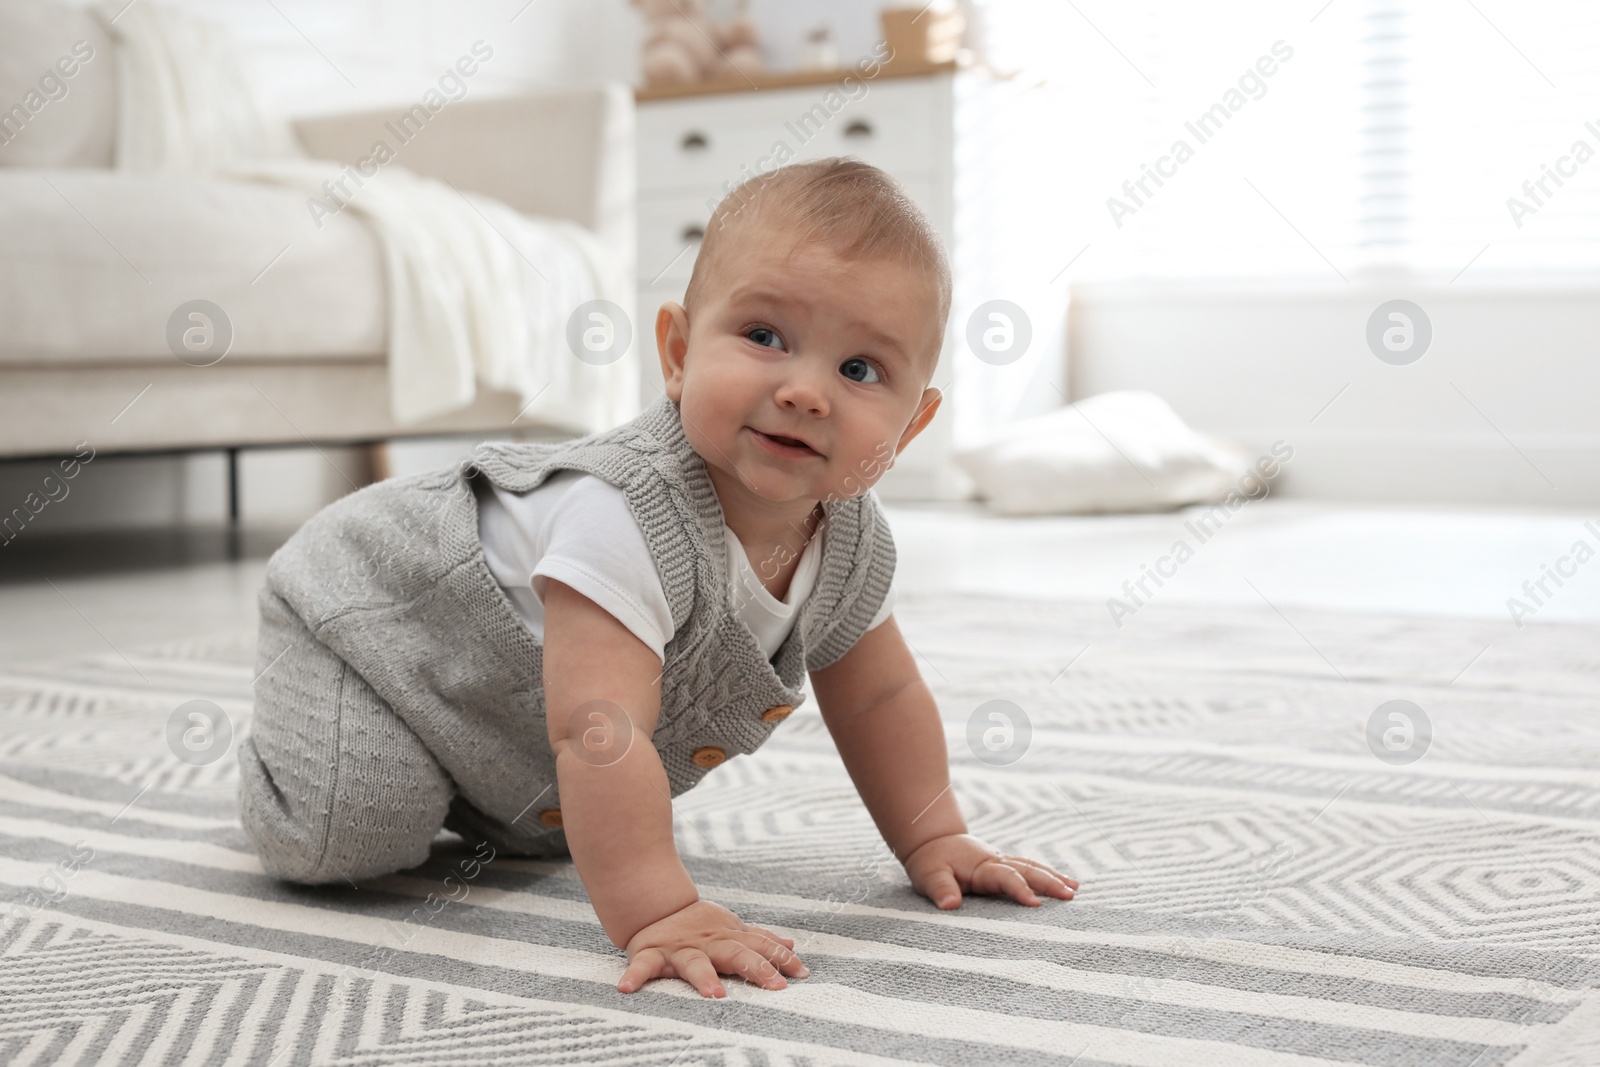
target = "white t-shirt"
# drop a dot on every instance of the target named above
(577, 528)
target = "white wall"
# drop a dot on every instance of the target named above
(313, 56)
(1500, 409)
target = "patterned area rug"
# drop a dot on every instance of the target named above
(1276, 868)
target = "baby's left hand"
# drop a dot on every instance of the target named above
(942, 868)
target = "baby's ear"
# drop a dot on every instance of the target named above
(926, 407)
(672, 344)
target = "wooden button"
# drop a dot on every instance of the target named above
(550, 817)
(777, 714)
(709, 756)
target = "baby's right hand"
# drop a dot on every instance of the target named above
(704, 940)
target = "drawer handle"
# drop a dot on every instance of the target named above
(695, 141)
(858, 129)
(694, 233)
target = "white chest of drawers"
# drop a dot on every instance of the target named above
(692, 150)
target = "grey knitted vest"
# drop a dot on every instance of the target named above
(392, 579)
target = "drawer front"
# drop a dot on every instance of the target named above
(701, 143)
(697, 153)
(670, 229)
(892, 126)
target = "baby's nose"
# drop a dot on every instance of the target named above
(805, 392)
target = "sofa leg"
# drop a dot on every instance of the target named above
(234, 547)
(377, 460)
(233, 487)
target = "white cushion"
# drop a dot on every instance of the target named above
(96, 262)
(1119, 451)
(58, 87)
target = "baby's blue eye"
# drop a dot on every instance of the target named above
(849, 367)
(763, 336)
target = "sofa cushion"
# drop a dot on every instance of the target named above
(96, 263)
(58, 87)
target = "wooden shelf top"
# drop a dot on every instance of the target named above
(755, 83)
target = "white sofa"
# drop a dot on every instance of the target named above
(94, 261)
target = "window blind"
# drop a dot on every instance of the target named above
(1351, 138)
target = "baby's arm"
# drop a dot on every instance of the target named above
(616, 809)
(887, 728)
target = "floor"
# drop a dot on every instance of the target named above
(107, 591)
(1207, 774)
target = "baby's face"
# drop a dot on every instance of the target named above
(795, 341)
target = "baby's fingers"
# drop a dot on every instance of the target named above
(998, 876)
(647, 964)
(787, 942)
(735, 957)
(942, 888)
(1044, 878)
(776, 951)
(696, 968)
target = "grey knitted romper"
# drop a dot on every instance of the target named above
(399, 691)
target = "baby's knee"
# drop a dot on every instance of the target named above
(349, 840)
(333, 786)
(289, 840)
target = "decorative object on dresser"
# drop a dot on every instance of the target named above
(820, 53)
(922, 34)
(684, 45)
(696, 143)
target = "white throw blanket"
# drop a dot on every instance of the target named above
(478, 293)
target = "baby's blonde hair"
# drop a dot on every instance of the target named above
(855, 208)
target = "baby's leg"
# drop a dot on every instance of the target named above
(333, 785)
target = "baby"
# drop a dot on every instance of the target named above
(539, 648)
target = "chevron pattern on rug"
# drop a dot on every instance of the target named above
(1261, 886)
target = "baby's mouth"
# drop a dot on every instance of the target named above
(788, 444)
